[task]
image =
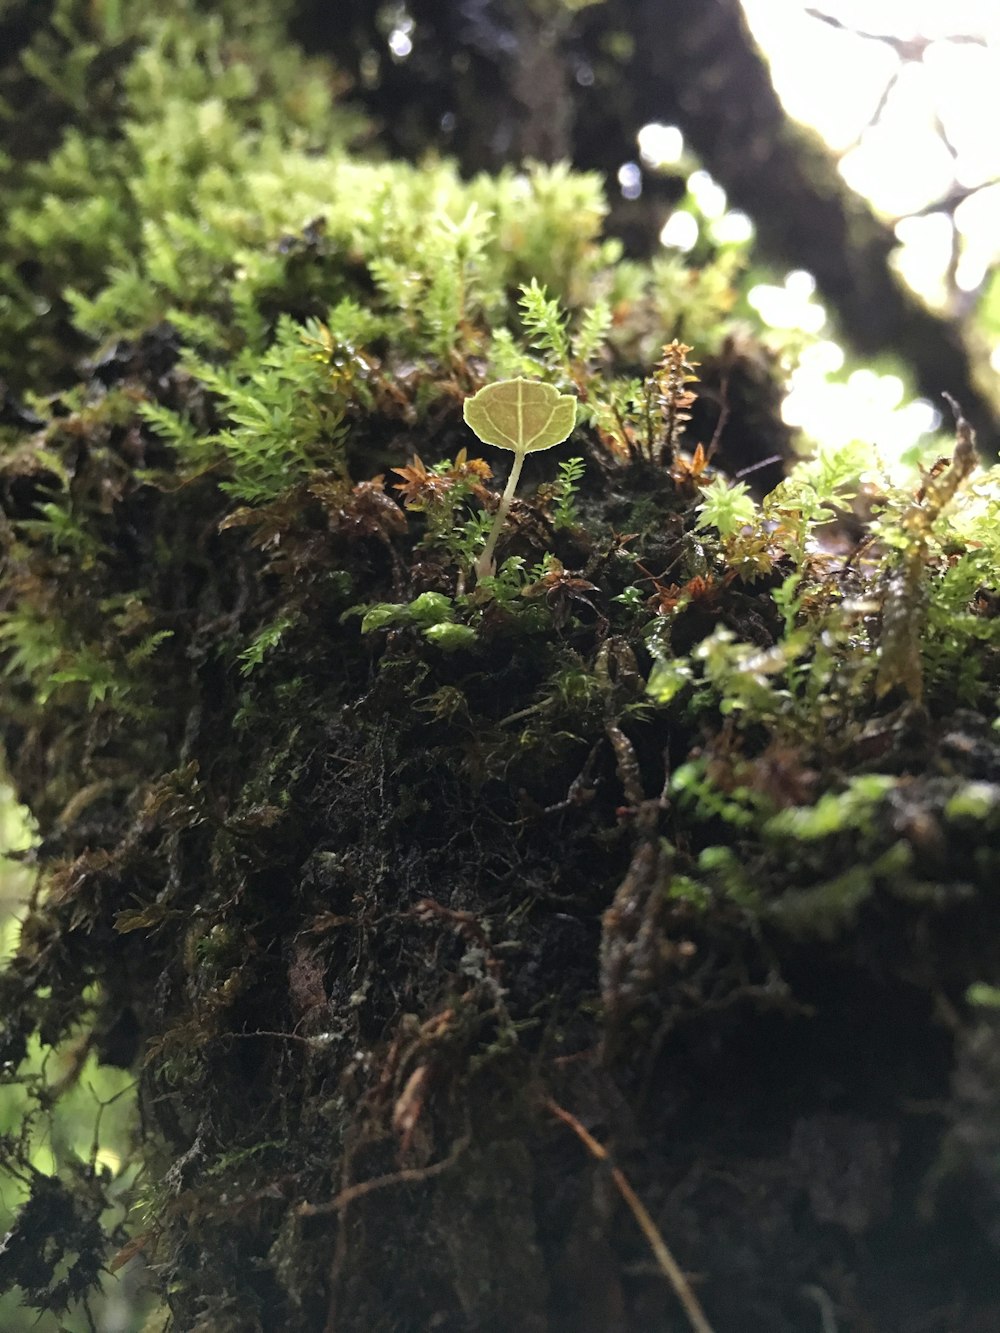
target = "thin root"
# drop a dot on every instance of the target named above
(666, 1261)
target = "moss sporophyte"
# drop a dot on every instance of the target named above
(523, 416)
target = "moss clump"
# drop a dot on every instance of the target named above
(359, 863)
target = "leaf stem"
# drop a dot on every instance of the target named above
(484, 565)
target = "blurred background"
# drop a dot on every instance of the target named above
(903, 92)
(896, 168)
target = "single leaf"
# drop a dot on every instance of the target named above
(522, 415)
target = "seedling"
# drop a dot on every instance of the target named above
(523, 416)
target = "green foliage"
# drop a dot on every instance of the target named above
(66, 1118)
(851, 810)
(434, 287)
(34, 644)
(509, 360)
(816, 488)
(269, 637)
(201, 180)
(72, 1120)
(54, 660)
(442, 494)
(592, 335)
(450, 638)
(974, 801)
(501, 605)
(667, 678)
(554, 351)
(747, 678)
(61, 529)
(567, 484)
(545, 325)
(959, 643)
(432, 613)
(700, 299)
(692, 788)
(287, 415)
(726, 506)
(191, 114)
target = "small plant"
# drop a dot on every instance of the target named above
(671, 394)
(432, 613)
(440, 494)
(545, 325)
(727, 507)
(522, 416)
(565, 489)
(904, 608)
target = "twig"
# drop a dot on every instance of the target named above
(907, 48)
(411, 1175)
(756, 467)
(666, 1261)
(948, 202)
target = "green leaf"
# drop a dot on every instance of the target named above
(521, 415)
(667, 679)
(431, 608)
(981, 993)
(450, 638)
(382, 615)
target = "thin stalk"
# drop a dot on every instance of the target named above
(668, 1264)
(484, 565)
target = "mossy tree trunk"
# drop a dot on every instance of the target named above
(385, 880)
